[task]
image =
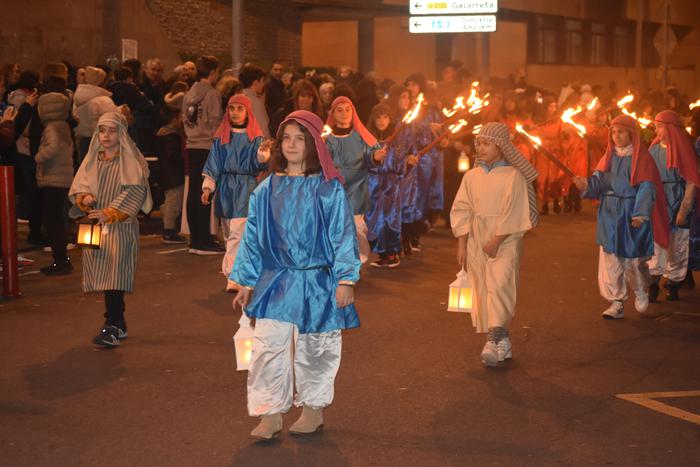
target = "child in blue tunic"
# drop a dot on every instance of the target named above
(296, 267)
(354, 151)
(632, 214)
(384, 216)
(675, 158)
(236, 158)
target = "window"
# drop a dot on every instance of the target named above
(546, 40)
(574, 41)
(598, 33)
(623, 48)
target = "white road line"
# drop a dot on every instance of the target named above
(648, 400)
(167, 252)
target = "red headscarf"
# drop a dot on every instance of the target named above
(314, 125)
(679, 152)
(224, 130)
(357, 125)
(643, 170)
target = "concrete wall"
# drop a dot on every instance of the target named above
(398, 53)
(329, 43)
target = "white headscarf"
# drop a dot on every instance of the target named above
(133, 168)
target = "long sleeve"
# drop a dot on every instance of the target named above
(462, 210)
(368, 154)
(249, 164)
(130, 200)
(644, 201)
(594, 189)
(50, 145)
(342, 235)
(214, 165)
(515, 214)
(246, 270)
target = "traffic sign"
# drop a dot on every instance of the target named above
(465, 7)
(437, 24)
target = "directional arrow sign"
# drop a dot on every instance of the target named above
(475, 23)
(420, 7)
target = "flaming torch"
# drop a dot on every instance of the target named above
(452, 130)
(566, 117)
(326, 131)
(410, 116)
(694, 104)
(537, 143)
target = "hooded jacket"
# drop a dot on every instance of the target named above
(90, 102)
(201, 115)
(54, 160)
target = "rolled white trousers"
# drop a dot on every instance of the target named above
(615, 272)
(672, 263)
(362, 241)
(232, 231)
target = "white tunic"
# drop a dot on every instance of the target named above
(489, 203)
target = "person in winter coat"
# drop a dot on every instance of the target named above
(54, 175)
(91, 100)
(171, 173)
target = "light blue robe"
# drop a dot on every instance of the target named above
(619, 203)
(234, 167)
(353, 159)
(674, 185)
(384, 216)
(299, 243)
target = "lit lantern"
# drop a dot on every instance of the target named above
(243, 342)
(460, 299)
(463, 162)
(89, 233)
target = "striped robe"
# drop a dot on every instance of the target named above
(113, 265)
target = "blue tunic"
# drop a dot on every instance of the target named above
(436, 191)
(299, 243)
(234, 167)
(619, 203)
(415, 182)
(353, 159)
(694, 250)
(674, 184)
(384, 216)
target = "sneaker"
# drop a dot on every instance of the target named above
(392, 261)
(505, 349)
(556, 206)
(641, 301)
(108, 337)
(69, 247)
(615, 311)
(489, 354)
(58, 269)
(22, 261)
(672, 291)
(207, 250)
(545, 210)
(170, 237)
(22, 221)
(379, 262)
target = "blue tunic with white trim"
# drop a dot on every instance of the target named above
(674, 185)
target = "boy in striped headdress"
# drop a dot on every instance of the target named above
(489, 217)
(111, 187)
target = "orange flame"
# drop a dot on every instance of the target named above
(566, 117)
(455, 127)
(625, 100)
(643, 122)
(413, 113)
(476, 129)
(536, 141)
(326, 131)
(694, 104)
(591, 105)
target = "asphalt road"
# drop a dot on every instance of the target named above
(411, 388)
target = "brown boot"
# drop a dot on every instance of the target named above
(268, 428)
(311, 421)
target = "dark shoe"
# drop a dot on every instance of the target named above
(108, 337)
(58, 269)
(568, 205)
(672, 291)
(122, 334)
(653, 292)
(39, 240)
(171, 237)
(556, 207)
(392, 261)
(407, 251)
(379, 262)
(577, 205)
(545, 210)
(207, 250)
(689, 280)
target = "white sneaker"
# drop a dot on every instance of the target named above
(615, 311)
(505, 349)
(641, 301)
(489, 355)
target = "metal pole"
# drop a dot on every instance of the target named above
(8, 231)
(237, 36)
(638, 46)
(664, 63)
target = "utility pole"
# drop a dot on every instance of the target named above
(639, 71)
(664, 56)
(236, 36)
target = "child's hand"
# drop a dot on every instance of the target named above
(379, 155)
(344, 296)
(411, 160)
(681, 219)
(581, 183)
(98, 214)
(491, 248)
(205, 196)
(264, 151)
(638, 221)
(242, 297)
(462, 254)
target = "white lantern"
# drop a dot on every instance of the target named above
(243, 342)
(460, 299)
(89, 233)
(463, 162)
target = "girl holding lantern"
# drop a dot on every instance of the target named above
(296, 268)
(489, 217)
(675, 158)
(236, 158)
(354, 151)
(111, 187)
(632, 216)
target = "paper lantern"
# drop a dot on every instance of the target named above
(89, 233)
(463, 162)
(243, 342)
(460, 299)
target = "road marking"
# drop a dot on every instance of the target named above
(648, 400)
(685, 313)
(167, 252)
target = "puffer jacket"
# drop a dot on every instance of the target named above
(54, 161)
(89, 103)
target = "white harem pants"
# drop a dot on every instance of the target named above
(232, 231)
(614, 272)
(671, 263)
(281, 358)
(362, 241)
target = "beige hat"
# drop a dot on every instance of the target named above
(94, 76)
